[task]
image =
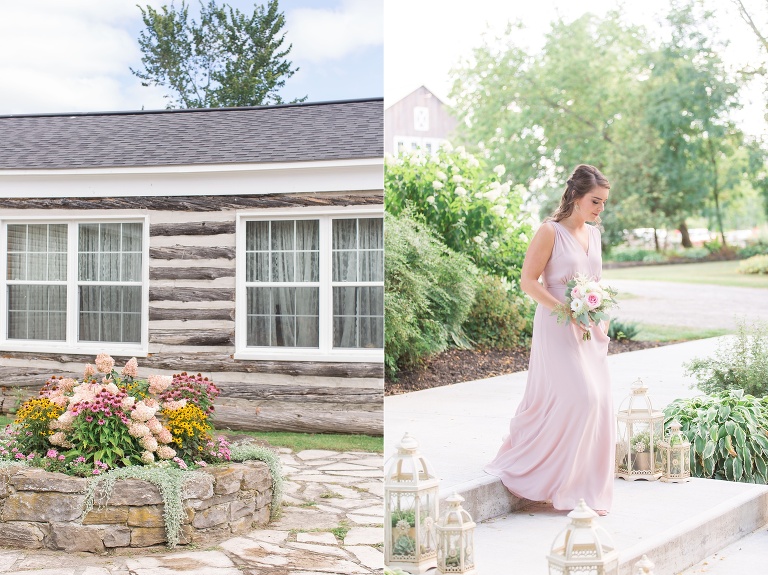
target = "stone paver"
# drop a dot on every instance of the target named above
(300, 542)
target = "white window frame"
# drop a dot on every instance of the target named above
(71, 345)
(325, 351)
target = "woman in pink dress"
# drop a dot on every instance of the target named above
(560, 445)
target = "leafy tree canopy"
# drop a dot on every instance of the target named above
(226, 59)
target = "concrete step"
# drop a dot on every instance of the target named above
(747, 555)
(675, 525)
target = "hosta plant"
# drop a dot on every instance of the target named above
(728, 432)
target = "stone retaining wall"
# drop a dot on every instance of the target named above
(42, 510)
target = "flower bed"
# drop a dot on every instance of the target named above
(117, 461)
(41, 509)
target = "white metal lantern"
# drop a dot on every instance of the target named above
(675, 456)
(640, 427)
(583, 547)
(455, 539)
(410, 510)
(643, 567)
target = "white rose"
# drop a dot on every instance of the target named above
(577, 306)
(461, 192)
(437, 185)
(499, 170)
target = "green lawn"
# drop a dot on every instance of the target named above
(651, 332)
(717, 273)
(330, 441)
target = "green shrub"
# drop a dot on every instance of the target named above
(727, 434)
(754, 265)
(501, 317)
(740, 362)
(624, 254)
(471, 209)
(756, 249)
(620, 330)
(429, 290)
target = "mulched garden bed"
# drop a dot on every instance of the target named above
(457, 365)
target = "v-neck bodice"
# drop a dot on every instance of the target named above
(569, 258)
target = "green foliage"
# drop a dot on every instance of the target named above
(756, 249)
(403, 515)
(500, 318)
(471, 212)
(404, 546)
(429, 290)
(740, 362)
(106, 440)
(249, 451)
(620, 330)
(620, 254)
(727, 433)
(169, 480)
(226, 59)
(754, 265)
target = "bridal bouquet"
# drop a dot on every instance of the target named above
(586, 302)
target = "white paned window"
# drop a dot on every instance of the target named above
(74, 286)
(311, 285)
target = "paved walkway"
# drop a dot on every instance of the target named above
(692, 305)
(331, 524)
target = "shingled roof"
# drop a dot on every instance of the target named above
(287, 133)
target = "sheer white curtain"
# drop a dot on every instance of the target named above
(36, 281)
(109, 279)
(283, 252)
(358, 258)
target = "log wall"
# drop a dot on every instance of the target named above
(192, 321)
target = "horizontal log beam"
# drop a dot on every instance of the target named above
(190, 314)
(191, 294)
(191, 273)
(192, 337)
(194, 203)
(179, 252)
(302, 393)
(207, 363)
(192, 229)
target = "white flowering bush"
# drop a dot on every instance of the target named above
(472, 209)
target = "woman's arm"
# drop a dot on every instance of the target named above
(536, 258)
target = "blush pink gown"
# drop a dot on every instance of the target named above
(560, 445)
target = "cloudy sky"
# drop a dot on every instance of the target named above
(423, 40)
(76, 55)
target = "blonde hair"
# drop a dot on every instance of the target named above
(583, 180)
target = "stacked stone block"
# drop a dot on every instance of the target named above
(42, 510)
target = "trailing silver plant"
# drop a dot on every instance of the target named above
(251, 451)
(169, 480)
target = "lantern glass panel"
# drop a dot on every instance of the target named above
(427, 531)
(403, 517)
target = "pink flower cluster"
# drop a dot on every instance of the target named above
(194, 388)
(105, 363)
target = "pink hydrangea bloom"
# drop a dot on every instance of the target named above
(128, 402)
(147, 457)
(154, 425)
(149, 443)
(164, 436)
(166, 452)
(131, 368)
(137, 429)
(174, 405)
(159, 383)
(105, 363)
(90, 371)
(143, 412)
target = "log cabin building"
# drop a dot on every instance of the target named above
(242, 243)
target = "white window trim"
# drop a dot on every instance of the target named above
(325, 353)
(71, 345)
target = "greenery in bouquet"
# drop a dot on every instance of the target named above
(114, 419)
(586, 303)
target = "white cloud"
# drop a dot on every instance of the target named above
(328, 34)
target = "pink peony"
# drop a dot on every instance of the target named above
(131, 368)
(105, 363)
(593, 300)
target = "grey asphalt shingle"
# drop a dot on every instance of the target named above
(289, 133)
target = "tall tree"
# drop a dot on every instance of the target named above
(227, 59)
